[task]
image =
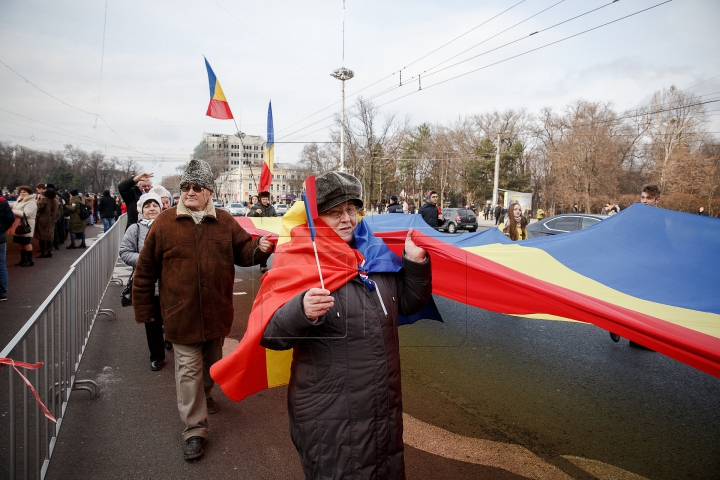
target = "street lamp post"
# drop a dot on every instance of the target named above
(342, 74)
(497, 171)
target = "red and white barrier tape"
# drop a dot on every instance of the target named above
(29, 366)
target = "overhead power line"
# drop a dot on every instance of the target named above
(492, 64)
(460, 36)
(394, 73)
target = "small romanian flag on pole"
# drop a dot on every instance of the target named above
(267, 168)
(218, 107)
(309, 197)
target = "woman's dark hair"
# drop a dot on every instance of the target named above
(511, 227)
(26, 188)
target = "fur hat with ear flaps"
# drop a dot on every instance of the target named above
(198, 173)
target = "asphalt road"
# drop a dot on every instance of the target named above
(485, 396)
(562, 390)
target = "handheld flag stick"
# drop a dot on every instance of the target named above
(317, 260)
(309, 199)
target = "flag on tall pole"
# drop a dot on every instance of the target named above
(267, 168)
(218, 107)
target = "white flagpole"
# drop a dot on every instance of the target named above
(317, 260)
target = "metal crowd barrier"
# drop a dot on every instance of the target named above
(55, 335)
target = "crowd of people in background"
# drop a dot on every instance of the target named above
(50, 217)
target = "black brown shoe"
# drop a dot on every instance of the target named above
(641, 347)
(156, 365)
(193, 448)
(212, 407)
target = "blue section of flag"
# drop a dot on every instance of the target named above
(651, 253)
(211, 78)
(270, 128)
(428, 312)
(308, 214)
(380, 259)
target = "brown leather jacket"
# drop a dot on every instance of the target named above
(195, 266)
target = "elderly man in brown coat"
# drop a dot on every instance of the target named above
(193, 249)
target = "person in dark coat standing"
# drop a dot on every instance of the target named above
(131, 190)
(46, 216)
(344, 395)
(106, 207)
(497, 213)
(394, 206)
(262, 208)
(430, 211)
(7, 217)
(77, 224)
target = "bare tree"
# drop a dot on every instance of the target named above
(676, 117)
(373, 148)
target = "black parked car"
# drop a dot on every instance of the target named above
(458, 218)
(563, 223)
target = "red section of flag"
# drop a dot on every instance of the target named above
(219, 109)
(294, 270)
(265, 178)
(247, 224)
(494, 287)
(311, 193)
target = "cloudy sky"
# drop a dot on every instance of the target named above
(139, 64)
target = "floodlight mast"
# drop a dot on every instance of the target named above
(342, 74)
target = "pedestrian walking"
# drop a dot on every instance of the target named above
(194, 248)
(344, 396)
(430, 211)
(497, 213)
(132, 243)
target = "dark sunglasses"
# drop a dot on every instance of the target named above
(195, 188)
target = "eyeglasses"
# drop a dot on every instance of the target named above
(337, 213)
(195, 188)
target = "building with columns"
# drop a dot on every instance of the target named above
(243, 156)
(240, 183)
(238, 149)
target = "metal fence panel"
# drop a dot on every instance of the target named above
(56, 335)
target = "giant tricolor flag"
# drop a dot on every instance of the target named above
(647, 274)
(218, 107)
(267, 168)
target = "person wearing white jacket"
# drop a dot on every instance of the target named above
(149, 207)
(27, 205)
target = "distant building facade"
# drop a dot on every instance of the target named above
(239, 181)
(249, 151)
